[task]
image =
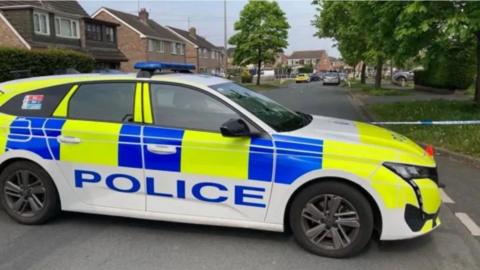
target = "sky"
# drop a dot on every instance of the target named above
(207, 17)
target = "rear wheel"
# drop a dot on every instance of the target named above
(28, 193)
(331, 219)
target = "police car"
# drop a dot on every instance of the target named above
(205, 150)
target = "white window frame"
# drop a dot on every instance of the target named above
(173, 48)
(58, 31)
(107, 28)
(212, 54)
(47, 21)
(151, 48)
(182, 48)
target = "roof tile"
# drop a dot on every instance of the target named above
(70, 7)
(197, 40)
(151, 28)
(307, 54)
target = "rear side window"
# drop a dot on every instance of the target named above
(110, 102)
(38, 103)
(182, 107)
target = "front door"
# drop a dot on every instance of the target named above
(100, 146)
(191, 169)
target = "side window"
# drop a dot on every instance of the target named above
(38, 103)
(110, 102)
(182, 107)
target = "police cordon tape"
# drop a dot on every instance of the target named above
(430, 123)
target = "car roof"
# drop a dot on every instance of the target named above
(11, 88)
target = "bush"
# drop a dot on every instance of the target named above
(42, 62)
(246, 76)
(453, 69)
(306, 69)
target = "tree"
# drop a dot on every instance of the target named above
(340, 21)
(308, 68)
(262, 32)
(431, 26)
(363, 30)
(379, 18)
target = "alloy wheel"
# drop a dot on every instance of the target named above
(330, 222)
(25, 193)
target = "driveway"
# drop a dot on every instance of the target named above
(80, 241)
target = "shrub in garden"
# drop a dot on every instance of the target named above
(42, 62)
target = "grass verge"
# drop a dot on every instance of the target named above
(458, 138)
(373, 91)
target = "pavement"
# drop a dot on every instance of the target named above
(80, 241)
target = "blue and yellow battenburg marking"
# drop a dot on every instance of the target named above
(37, 135)
(296, 156)
(200, 153)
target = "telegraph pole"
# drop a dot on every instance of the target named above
(225, 58)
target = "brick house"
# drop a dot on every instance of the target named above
(142, 39)
(59, 24)
(317, 58)
(337, 64)
(207, 57)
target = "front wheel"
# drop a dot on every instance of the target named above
(28, 193)
(331, 219)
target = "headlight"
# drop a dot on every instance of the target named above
(409, 172)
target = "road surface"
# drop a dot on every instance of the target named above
(80, 241)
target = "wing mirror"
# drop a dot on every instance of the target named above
(235, 128)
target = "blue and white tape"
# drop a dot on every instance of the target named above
(430, 123)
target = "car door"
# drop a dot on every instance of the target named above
(100, 145)
(191, 169)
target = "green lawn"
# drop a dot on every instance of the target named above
(471, 90)
(459, 138)
(371, 90)
(269, 85)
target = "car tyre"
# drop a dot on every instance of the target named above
(28, 194)
(331, 219)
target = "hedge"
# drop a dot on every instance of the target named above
(306, 69)
(42, 62)
(454, 69)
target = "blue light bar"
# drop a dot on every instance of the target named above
(154, 66)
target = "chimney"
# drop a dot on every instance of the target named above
(143, 15)
(193, 32)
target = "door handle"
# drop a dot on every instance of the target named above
(162, 149)
(68, 139)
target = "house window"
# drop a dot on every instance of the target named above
(66, 28)
(93, 32)
(41, 23)
(109, 34)
(180, 48)
(156, 45)
(173, 48)
(213, 54)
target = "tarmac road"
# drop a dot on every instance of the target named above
(80, 241)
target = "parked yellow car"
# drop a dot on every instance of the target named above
(302, 77)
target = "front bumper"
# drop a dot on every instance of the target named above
(409, 209)
(417, 220)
